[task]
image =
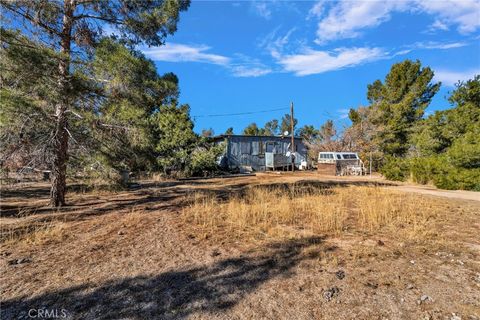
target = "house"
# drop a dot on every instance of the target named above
(260, 153)
(340, 163)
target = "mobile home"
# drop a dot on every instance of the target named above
(260, 153)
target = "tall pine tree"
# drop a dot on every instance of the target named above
(399, 103)
(72, 28)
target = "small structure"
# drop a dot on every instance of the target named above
(275, 155)
(260, 153)
(340, 163)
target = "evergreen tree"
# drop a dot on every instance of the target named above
(28, 76)
(174, 137)
(253, 130)
(132, 96)
(72, 29)
(354, 116)
(399, 103)
(308, 133)
(271, 128)
(285, 123)
(454, 132)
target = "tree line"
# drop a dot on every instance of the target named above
(442, 148)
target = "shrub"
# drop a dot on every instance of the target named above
(423, 170)
(441, 171)
(203, 160)
(465, 151)
(446, 175)
(395, 169)
(453, 178)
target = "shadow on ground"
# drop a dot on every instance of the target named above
(174, 294)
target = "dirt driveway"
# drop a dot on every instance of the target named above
(452, 194)
(419, 189)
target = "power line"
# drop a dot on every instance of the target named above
(238, 114)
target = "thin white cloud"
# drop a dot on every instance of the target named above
(313, 61)
(246, 66)
(262, 9)
(439, 45)
(449, 78)
(307, 61)
(438, 25)
(428, 46)
(343, 113)
(266, 9)
(317, 10)
(274, 45)
(176, 52)
(346, 19)
(239, 65)
(249, 71)
(402, 52)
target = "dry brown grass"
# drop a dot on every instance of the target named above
(134, 254)
(34, 233)
(286, 212)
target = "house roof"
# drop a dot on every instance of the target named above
(223, 136)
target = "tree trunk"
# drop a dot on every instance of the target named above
(59, 169)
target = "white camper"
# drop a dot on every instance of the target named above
(340, 163)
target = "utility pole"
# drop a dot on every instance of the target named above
(293, 139)
(370, 163)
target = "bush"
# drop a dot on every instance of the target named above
(203, 160)
(438, 170)
(423, 170)
(453, 178)
(395, 169)
(465, 151)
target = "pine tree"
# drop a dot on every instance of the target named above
(72, 28)
(399, 103)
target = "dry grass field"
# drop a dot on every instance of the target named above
(271, 246)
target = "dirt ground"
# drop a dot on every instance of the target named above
(130, 255)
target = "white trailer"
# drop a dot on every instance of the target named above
(340, 163)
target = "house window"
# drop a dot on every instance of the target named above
(255, 148)
(245, 147)
(269, 147)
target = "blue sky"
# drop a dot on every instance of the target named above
(234, 57)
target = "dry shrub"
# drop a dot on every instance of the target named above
(133, 218)
(378, 207)
(35, 233)
(287, 212)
